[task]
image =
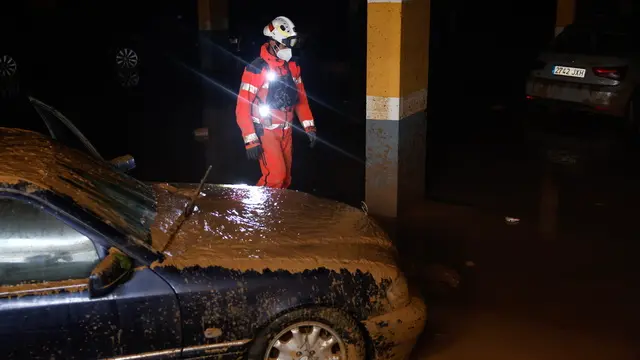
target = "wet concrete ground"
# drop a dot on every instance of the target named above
(560, 284)
(527, 296)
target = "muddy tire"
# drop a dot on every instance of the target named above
(324, 332)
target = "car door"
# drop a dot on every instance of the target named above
(62, 129)
(45, 308)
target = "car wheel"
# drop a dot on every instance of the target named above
(310, 334)
(8, 66)
(128, 79)
(126, 58)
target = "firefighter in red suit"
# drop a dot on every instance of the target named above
(270, 92)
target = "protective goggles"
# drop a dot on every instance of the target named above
(291, 41)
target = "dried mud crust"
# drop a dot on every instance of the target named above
(346, 327)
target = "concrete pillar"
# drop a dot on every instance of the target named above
(397, 80)
(213, 23)
(213, 15)
(565, 14)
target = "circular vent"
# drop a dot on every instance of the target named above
(129, 79)
(8, 66)
(126, 58)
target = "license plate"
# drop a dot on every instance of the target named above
(569, 71)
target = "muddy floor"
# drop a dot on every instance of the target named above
(546, 252)
(524, 294)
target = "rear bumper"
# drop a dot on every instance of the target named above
(607, 100)
(395, 334)
(560, 117)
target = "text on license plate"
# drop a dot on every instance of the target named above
(569, 71)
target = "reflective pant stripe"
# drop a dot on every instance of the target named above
(307, 123)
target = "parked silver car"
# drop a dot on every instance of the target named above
(594, 68)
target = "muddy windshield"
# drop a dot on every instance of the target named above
(122, 201)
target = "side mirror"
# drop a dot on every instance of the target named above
(110, 272)
(124, 163)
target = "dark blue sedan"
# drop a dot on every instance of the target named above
(97, 265)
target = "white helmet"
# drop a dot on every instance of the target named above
(282, 30)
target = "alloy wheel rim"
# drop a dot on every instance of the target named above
(307, 340)
(8, 66)
(127, 58)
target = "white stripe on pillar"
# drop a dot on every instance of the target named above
(395, 108)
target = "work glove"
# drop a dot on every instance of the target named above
(259, 129)
(312, 138)
(254, 152)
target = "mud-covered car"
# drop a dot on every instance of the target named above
(591, 67)
(95, 264)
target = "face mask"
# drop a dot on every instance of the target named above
(284, 54)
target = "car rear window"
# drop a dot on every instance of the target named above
(587, 42)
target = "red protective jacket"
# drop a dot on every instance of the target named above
(255, 84)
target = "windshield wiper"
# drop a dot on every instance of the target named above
(186, 213)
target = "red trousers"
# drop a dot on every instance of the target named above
(275, 162)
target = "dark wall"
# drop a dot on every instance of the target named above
(480, 51)
(326, 22)
(589, 10)
(66, 51)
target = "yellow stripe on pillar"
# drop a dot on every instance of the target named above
(397, 58)
(414, 71)
(384, 40)
(204, 15)
(565, 12)
(213, 15)
(220, 15)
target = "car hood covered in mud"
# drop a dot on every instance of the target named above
(254, 228)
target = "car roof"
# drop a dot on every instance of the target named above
(25, 154)
(45, 164)
(33, 157)
(29, 156)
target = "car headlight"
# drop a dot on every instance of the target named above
(398, 293)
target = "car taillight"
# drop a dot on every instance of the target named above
(615, 73)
